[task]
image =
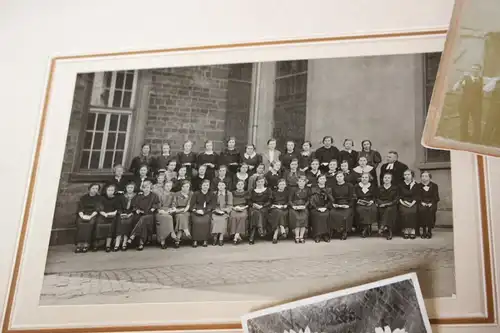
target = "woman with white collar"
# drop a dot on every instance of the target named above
(271, 155)
(363, 167)
(209, 159)
(429, 198)
(251, 158)
(366, 209)
(408, 204)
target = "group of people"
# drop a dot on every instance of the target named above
(208, 197)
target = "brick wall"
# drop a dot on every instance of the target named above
(187, 103)
(70, 193)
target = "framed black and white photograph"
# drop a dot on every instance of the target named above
(182, 188)
(390, 305)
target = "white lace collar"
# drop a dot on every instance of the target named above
(411, 184)
(262, 190)
(367, 168)
(250, 156)
(305, 153)
(238, 175)
(364, 186)
(209, 153)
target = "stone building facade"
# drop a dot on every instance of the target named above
(381, 98)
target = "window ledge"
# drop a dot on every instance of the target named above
(435, 166)
(93, 176)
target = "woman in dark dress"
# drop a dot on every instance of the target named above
(222, 175)
(320, 203)
(242, 174)
(362, 168)
(164, 216)
(293, 174)
(141, 178)
(179, 180)
(259, 201)
(349, 176)
(408, 205)
(209, 159)
(372, 156)
(220, 214)
(349, 154)
(331, 175)
(230, 157)
(305, 156)
(341, 215)
(387, 203)
(145, 207)
(165, 157)
(126, 219)
(181, 203)
(118, 180)
(145, 158)
(253, 178)
(289, 155)
(366, 208)
(88, 209)
(299, 209)
(313, 173)
(429, 198)
(187, 158)
(238, 218)
(326, 153)
(199, 178)
(107, 218)
(251, 158)
(202, 204)
(274, 175)
(278, 211)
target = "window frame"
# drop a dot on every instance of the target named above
(79, 174)
(426, 164)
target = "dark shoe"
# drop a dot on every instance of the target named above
(85, 249)
(195, 244)
(275, 241)
(297, 240)
(302, 241)
(78, 250)
(344, 236)
(251, 242)
(163, 246)
(108, 249)
(214, 242)
(389, 234)
(124, 247)
(364, 233)
(177, 244)
(326, 239)
(317, 239)
(205, 244)
(140, 247)
(429, 234)
(406, 236)
(412, 236)
(221, 242)
(116, 249)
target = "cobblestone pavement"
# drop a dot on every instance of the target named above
(262, 271)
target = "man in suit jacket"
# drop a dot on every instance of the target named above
(270, 155)
(394, 167)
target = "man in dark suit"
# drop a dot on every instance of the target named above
(470, 107)
(394, 167)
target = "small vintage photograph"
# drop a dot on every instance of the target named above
(255, 182)
(393, 305)
(469, 99)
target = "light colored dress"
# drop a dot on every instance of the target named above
(182, 219)
(224, 203)
(165, 221)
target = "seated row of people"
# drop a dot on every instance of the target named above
(286, 206)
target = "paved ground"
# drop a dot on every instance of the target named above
(263, 271)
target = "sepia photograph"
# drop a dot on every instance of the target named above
(467, 101)
(251, 182)
(394, 305)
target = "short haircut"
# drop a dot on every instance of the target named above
(327, 137)
(426, 172)
(394, 152)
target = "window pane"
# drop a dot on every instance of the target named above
(120, 77)
(94, 160)
(129, 82)
(118, 158)
(113, 122)
(85, 160)
(101, 120)
(120, 144)
(117, 99)
(107, 79)
(127, 95)
(434, 155)
(123, 122)
(90, 121)
(108, 160)
(97, 141)
(110, 144)
(87, 141)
